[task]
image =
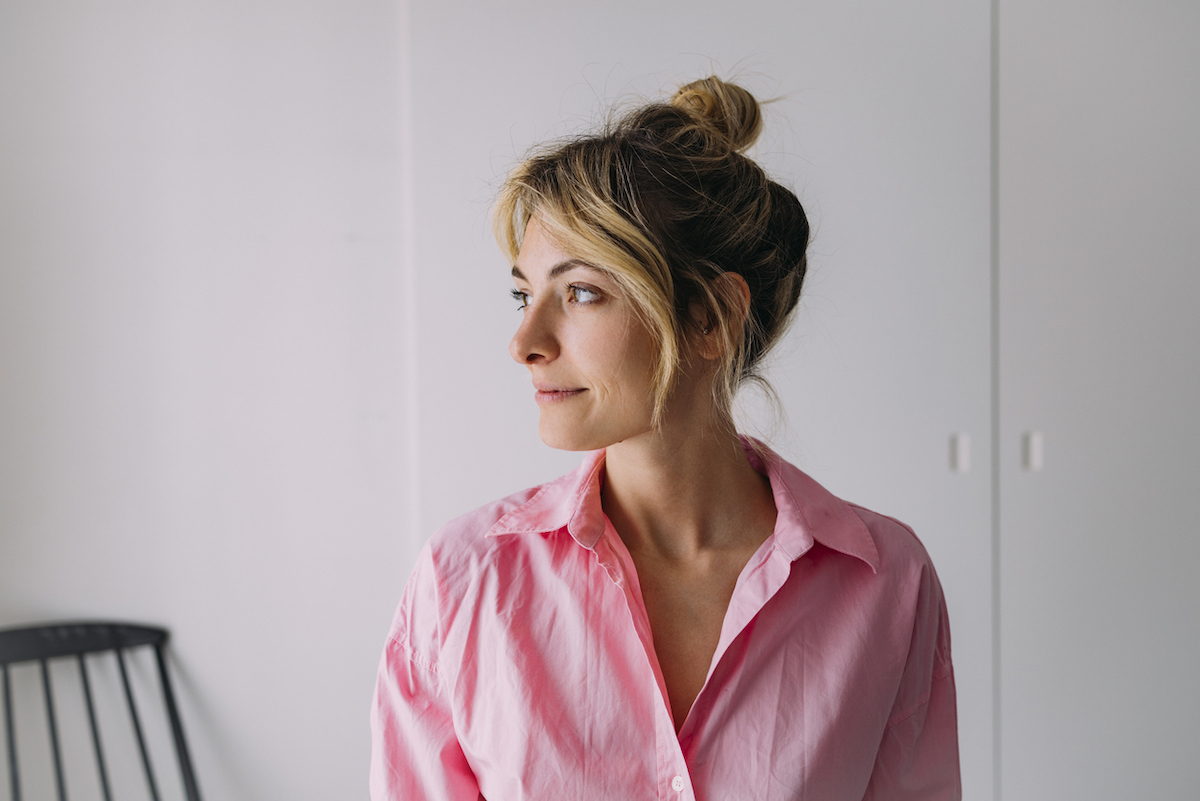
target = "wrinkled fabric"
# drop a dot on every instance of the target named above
(520, 664)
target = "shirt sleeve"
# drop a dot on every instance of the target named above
(415, 754)
(918, 756)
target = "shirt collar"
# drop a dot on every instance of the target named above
(807, 512)
(571, 502)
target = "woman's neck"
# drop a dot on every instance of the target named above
(685, 490)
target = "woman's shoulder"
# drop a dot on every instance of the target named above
(510, 525)
(898, 544)
(808, 511)
(500, 549)
(467, 541)
(474, 526)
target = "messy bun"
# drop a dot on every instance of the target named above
(729, 109)
(665, 200)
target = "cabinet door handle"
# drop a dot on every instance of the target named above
(960, 453)
(1032, 453)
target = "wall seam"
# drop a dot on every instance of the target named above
(409, 288)
(997, 752)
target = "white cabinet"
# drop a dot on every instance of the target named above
(1099, 198)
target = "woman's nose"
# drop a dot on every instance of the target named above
(534, 341)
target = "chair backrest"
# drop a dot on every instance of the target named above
(40, 644)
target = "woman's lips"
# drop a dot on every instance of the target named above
(547, 394)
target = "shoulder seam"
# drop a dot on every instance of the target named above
(900, 523)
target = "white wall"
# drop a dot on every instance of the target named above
(203, 355)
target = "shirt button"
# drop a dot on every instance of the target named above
(677, 784)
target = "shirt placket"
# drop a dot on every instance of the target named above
(674, 780)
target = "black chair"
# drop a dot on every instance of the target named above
(44, 643)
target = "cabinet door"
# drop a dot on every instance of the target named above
(1100, 365)
(882, 125)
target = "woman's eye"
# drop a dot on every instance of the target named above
(522, 298)
(581, 294)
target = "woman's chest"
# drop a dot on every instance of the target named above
(686, 606)
(556, 688)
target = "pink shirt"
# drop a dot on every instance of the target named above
(520, 664)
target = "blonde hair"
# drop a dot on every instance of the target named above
(664, 199)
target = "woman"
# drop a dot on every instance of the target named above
(686, 615)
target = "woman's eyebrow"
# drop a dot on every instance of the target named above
(558, 269)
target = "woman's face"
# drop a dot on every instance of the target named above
(591, 358)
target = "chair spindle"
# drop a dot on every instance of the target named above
(137, 726)
(52, 726)
(13, 774)
(91, 710)
(185, 760)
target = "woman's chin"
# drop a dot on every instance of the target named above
(578, 438)
(566, 441)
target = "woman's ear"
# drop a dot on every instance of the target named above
(733, 294)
